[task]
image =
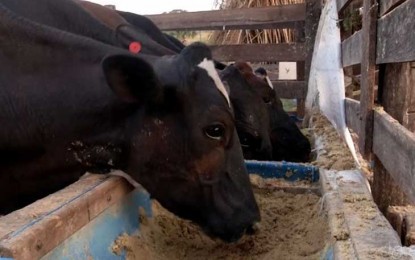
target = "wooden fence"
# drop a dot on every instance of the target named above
(384, 118)
(302, 18)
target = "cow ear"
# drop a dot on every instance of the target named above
(131, 78)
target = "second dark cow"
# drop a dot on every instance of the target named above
(288, 142)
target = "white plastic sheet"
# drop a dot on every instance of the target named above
(326, 82)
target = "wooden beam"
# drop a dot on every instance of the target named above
(290, 89)
(78, 204)
(410, 118)
(367, 86)
(396, 40)
(341, 4)
(394, 145)
(300, 70)
(313, 10)
(387, 5)
(398, 92)
(396, 84)
(352, 50)
(396, 216)
(281, 16)
(409, 229)
(386, 191)
(352, 108)
(299, 33)
(259, 52)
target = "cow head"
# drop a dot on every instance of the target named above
(182, 144)
(288, 143)
(251, 116)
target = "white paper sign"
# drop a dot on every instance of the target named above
(287, 71)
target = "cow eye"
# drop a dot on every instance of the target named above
(244, 142)
(215, 131)
(245, 139)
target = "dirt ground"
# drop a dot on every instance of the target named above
(291, 228)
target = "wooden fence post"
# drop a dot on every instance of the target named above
(398, 92)
(313, 12)
(367, 84)
(398, 100)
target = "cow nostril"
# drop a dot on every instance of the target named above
(253, 229)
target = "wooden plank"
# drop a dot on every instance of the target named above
(290, 89)
(299, 33)
(11, 222)
(410, 118)
(394, 145)
(396, 86)
(301, 101)
(409, 230)
(341, 4)
(300, 70)
(396, 40)
(352, 50)
(396, 216)
(281, 16)
(398, 92)
(313, 10)
(96, 239)
(352, 109)
(259, 52)
(386, 191)
(367, 96)
(36, 238)
(387, 5)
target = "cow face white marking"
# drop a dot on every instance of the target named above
(209, 66)
(269, 82)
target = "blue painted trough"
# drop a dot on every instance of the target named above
(284, 170)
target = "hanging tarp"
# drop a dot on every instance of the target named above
(326, 82)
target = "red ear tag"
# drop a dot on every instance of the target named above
(135, 47)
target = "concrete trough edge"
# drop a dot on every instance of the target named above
(358, 229)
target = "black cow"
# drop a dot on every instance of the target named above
(70, 104)
(288, 143)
